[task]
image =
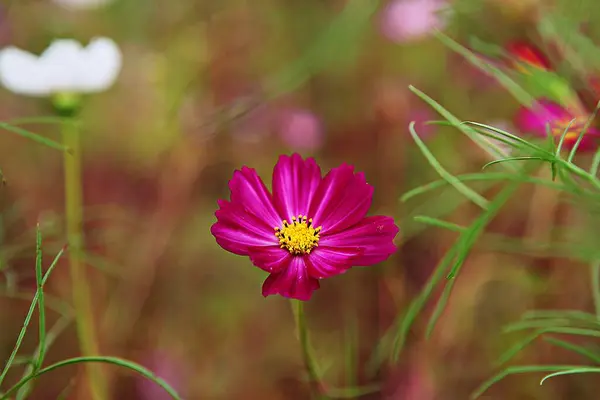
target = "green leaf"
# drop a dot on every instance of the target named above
(518, 370)
(541, 83)
(33, 136)
(578, 370)
(452, 180)
(488, 176)
(575, 349)
(99, 359)
(488, 147)
(439, 223)
(517, 348)
(518, 92)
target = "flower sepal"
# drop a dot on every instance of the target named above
(67, 104)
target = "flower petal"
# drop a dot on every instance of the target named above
(62, 64)
(529, 54)
(295, 182)
(65, 66)
(249, 190)
(342, 199)
(535, 120)
(373, 236)
(103, 60)
(270, 259)
(409, 20)
(237, 229)
(293, 282)
(589, 141)
(82, 4)
(325, 262)
(21, 74)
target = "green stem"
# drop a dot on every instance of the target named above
(80, 289)
(146, 373)
(307, 357)
(20, 338)
(595, 277)
(41, 302)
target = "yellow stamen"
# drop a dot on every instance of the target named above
(572, 133)
(298, 237)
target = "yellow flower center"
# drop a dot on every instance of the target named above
(572, 133)
(298, 237)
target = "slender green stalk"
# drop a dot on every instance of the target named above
(45, 338)
(13, 355)
(32, 369)
(595, 277)
(146, 373)
(307, 356)
(80, 288)
(41, 307)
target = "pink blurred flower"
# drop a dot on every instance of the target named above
(309, 228)
(419, 385)
(412, 382)
(300, 129)
(406, 20)
(421, 117)
(548, 116)
(82, 4)
(165, 368)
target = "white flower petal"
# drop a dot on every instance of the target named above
(20, 73)
(65, 66)
(102, 61)
(62, 63)
(82, 4)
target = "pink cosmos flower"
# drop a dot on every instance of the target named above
(406, 20)
(547, 116)
(309, 228)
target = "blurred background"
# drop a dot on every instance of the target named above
(209, 86)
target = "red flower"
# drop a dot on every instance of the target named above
(527, 54)
(549, 116)
(309, 228)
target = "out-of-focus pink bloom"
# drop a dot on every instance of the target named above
(309, 228)
(547, 116)
(300, 129)
(165, 368)
(414, 382)
(82, 4)
(421, 117)
(407, 20)
(419, 385)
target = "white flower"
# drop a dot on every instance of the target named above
(82, 4)
(64, 67)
